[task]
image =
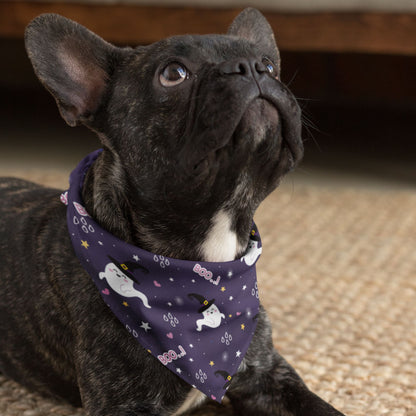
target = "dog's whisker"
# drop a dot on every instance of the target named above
(293, 78)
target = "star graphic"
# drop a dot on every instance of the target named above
(230, 298)
(244, 287)
(230, 273)
(179, 371)
(191, 345)
(171, 279)
(223, 289)
(85, 244)
(136, 257)
(211, 363)
(191, 360)
(125, 303)
(238, 353)
(145, 326)
(230, 315)
(243, 327)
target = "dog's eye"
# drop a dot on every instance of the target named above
(270, 67)
(173, 74)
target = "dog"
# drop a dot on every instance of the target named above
(196, 131)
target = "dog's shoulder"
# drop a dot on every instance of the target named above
(10, 186)
(22, 201)
(15, 189)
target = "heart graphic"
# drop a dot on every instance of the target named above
(169, 335)
(105, 291)
(156, 283)
(238, 313)
(213, 397)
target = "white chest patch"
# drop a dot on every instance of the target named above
(220, 243)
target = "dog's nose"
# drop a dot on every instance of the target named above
(243, 66)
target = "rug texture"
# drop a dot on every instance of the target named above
(338, 278)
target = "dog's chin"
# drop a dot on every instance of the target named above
(259, 117)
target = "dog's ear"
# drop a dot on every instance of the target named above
(73, 63)
(250, 24)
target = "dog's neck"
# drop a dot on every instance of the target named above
(221, 235)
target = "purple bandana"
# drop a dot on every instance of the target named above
(196, 318)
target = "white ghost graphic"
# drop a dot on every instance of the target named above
(122, 284)
(253, 253)
(212, 318)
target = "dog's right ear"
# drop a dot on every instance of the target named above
(73, 63)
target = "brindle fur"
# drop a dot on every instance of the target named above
(172, 158)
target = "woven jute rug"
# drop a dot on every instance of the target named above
(338, 277)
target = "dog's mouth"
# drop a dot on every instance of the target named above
(262, 121)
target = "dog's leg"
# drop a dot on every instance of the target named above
(268, 386)
(117, 377)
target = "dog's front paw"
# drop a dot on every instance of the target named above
(309, 404)
(276, 392)
(298, 401)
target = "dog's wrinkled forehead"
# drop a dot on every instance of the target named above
(206, 48)
(198, 51)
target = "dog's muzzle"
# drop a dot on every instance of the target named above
(245, 80)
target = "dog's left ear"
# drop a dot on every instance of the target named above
(74, 64)
(250, 24)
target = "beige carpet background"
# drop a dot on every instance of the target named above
(338, 277)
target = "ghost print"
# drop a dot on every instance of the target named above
(211, 318)
(253, 253)
(122, 284)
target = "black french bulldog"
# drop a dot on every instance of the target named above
(196, 132)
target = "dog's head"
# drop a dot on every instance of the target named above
(194, 122)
